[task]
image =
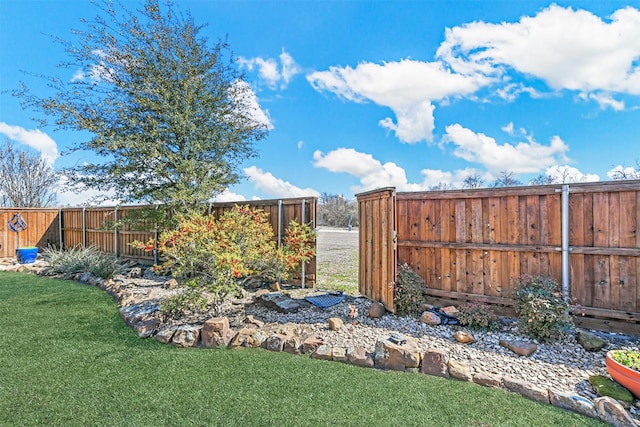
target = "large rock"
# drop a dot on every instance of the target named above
(434, 362)
(186, 336)
(573, 403)
(459, 370)
(279, 302)
(590, 342)
(165, 334)
(310, 344)
(135, 313)
(247, 337)
(522, 348)
(611, 411)
(487, 379)
(526, 389)
(605, 386)
(216, 333)
(324, 352)
(430, 318)
(464, 337)
(275, 342)
(376, 310)
(358, 356)
(253, 321)
(146, 328)
(335, 323)
(397, 356)
(292, 344)
(339, 354)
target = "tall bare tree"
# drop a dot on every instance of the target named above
(26, 180)
(506, 179)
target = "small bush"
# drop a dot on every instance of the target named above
(478, 316)
(69, 262)
(407, 295)
(542, 313)
(187, 301)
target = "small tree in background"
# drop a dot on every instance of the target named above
(620, 173)
(335, 210)
(27, 180)
(167, 113)
(473, 181)
(506, 179)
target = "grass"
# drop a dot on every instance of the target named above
(66, 358)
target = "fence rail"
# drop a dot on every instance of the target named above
(103, 228)
(470, 245)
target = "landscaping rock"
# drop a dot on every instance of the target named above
(521, 348)
(324, 352)
(135, 313)
(293, 344)
(611, 411)
(246, 337)
(573, 403)
(335, 323)
(397, 357)
(459, 370)
(607, 387)
(170, 284)
(377, 310)
(261, 292)
(165, 334)
(186, 336)
(339, 354)
(430, 318)
(590, 342)
(136, 273)
(279, 302)
(450, 310)
(216, 333)
(253, 321)
(487, 379)
(358, 356)
(526, 389)
(146, 328)
(434, 362)
(275, 342)
(310, 344)
(464, 337)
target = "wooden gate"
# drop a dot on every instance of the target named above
(377, 264)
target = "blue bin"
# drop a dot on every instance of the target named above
(26, 255)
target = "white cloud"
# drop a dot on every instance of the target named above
(568, 49)
(629, 172)
(524, 157)
(271, 72)
(34, 138)
(408, 87)
(228, 196)
(300, 144)
(564, 174)
(605, 100)
(269, 184)
(373, 174)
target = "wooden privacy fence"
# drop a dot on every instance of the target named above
(72, 227)
(470, 245)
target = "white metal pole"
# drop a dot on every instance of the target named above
(302, 221)
(565, 242)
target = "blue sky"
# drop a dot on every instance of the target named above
(412, 94)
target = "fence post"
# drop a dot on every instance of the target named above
(279, 223)
(155, 237)
(565, 242)
(302, 221)
(84, 226)
(115, 231)
(60, 228)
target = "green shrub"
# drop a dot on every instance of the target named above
(542, 312)
(69, 262)
(218, 256)
(185, 302)
(407, 294)
(478, 316)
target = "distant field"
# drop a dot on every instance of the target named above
(337, 259)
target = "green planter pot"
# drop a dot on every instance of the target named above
(26, 255)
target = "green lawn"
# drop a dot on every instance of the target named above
(66, 358)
